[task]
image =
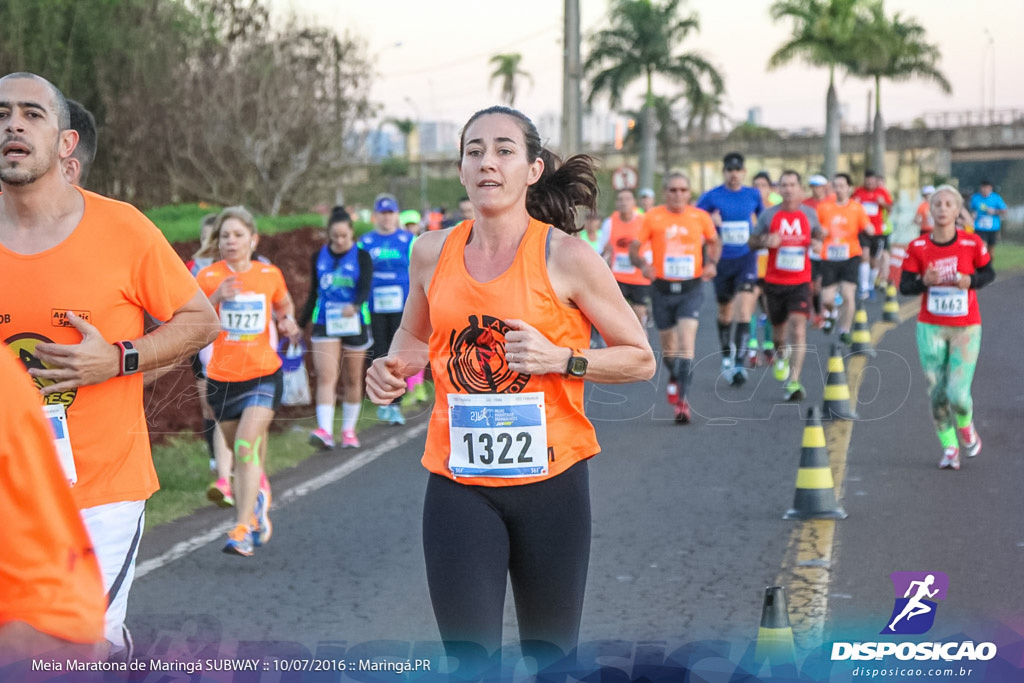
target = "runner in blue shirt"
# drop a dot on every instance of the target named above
(390, 248)
(733, 207)
(988, 208)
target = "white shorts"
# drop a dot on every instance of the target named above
(115, 530)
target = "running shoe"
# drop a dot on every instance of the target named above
(239, 541)
(781, 368)
(383, 412)
(950, 459)
(769, 353)
(219, 493)
(751, 357)
(794, 391)
(727, 369)
(970, 440)
(261, 527)
(322, 439)
(349, 439)
(682, 412)
(419, 393)
(846, 338)
(863, 294)
(828, 325)
(395, 416)
(818, 320)
(672, 393)
(739, 377)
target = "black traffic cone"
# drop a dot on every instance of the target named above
(775, 636)
(837, 390)
(861, 333)
(815, 491)
(891, 307)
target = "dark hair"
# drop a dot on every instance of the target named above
(84, 124)
(763, 174)
(562, 187)
(984, 182)
(339, 214)
(59, 102)
(791, 172)
(844, 176)
(870, 174)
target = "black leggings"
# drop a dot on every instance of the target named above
(474, 537)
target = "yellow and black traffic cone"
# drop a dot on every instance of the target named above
(775, 637)
(861, 337)
(837, 390)
(891, 307)
(815, 491)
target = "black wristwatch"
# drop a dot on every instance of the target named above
(577, 366)
(129, 358)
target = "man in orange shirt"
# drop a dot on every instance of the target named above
(923, 216)
(677, 233)
(621, 228)
(843, 221)
(51, 594)
(87, 269)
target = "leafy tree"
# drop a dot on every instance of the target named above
(896, 49)
(824, 35)
(641, 44)
(507, 71)
(406, 127)
(669, 130)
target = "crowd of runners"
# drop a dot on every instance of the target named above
(511, 306)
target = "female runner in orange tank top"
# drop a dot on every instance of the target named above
(501, 307)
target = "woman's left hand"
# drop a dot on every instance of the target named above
(528, 351)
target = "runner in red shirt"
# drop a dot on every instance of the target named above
(877, 203)
(946, 268)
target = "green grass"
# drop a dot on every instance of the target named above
(1008, 257)
(180, 222)
(183, 463)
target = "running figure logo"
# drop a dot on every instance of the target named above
(914, 612)
(476, 364)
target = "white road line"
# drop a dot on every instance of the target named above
(346, 468)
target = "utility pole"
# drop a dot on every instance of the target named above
(572, 118)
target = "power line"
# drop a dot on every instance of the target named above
(461, 61)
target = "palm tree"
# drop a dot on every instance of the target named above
(641, 44)
(823, 35)
(507, 69)
(669, 131)
(895, 49)
(406, 127)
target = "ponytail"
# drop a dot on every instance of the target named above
(561, 189)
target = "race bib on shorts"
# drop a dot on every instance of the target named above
(947, 301)
(792, 259)
(388, 299)
(622, 264)
(497, 435)
(679, 267)
(339, 325)
(870, 208)
(735, 233)
(58, 419)
(837, 252)
(244, 316)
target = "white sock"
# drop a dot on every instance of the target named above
(350, 415)
(874, 277)
(865, 275)
(325, 417)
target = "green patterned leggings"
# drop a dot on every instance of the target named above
(949, 356)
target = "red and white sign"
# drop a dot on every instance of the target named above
(625, 178)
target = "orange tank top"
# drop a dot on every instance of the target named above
(622, 235)
(467, 351)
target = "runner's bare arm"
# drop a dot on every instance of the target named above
(581, 279)
(95, 359)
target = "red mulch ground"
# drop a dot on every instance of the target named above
(172, 402)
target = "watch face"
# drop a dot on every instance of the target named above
(578, 366)
(131, 362)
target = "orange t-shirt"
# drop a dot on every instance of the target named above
(115, 266)
(677, 241)
(244, 349)
(467, 353)
(927, 223)
(843, 224)
(49, 576)
(620, 236)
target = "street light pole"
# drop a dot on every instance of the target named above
(572, 118)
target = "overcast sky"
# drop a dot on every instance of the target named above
(441, 71)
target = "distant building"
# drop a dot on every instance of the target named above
(755, 116)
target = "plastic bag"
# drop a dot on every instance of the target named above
(296, 379)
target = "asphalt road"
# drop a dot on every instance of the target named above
(688, 526)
